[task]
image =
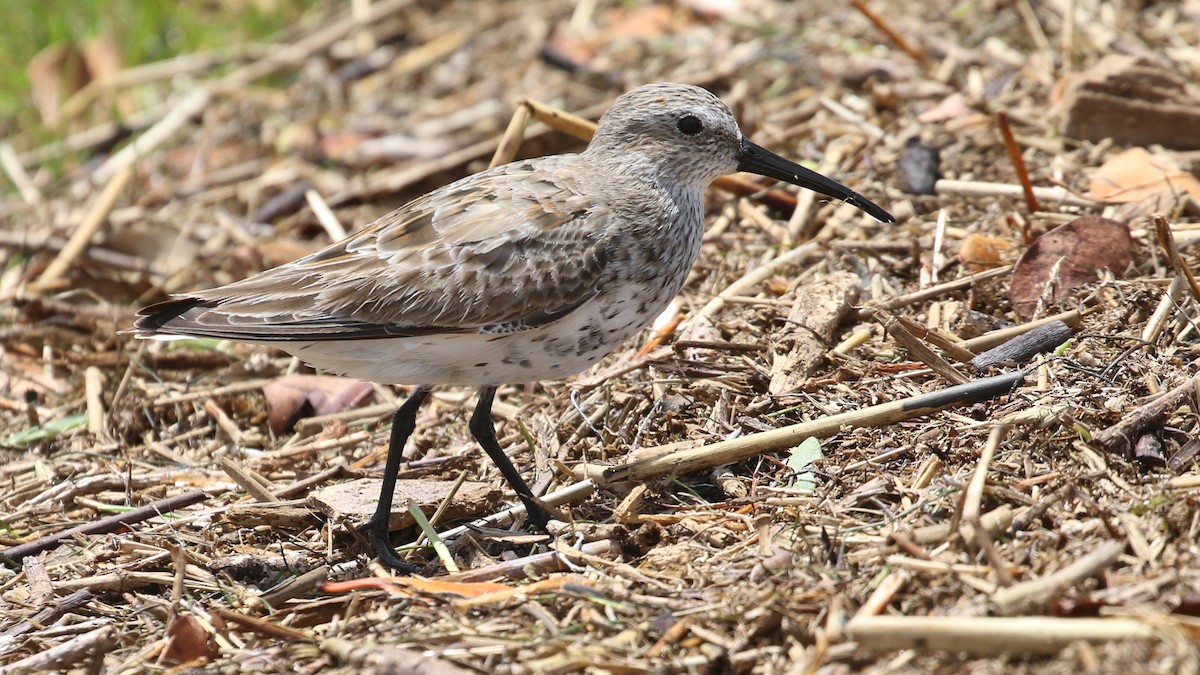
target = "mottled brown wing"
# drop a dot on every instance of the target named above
(508, 249)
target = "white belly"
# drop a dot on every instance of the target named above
(551, 352)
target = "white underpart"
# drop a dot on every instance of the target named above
(549, 352)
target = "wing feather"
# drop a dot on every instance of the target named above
(508, 249)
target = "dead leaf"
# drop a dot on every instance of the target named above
(568, 49)
(640, 23)
(102, 55)
(1068, 257)
(979, 252)
(1135, 174)
(54, 74)
(951, 107)
(187, 641)
(326, 394)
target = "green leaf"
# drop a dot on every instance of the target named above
(799, 461)
(47, 430)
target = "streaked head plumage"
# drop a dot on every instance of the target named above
(682, 130)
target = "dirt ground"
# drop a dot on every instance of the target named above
(1033, 514)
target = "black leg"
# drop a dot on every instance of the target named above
(404, 420)
(484, 432)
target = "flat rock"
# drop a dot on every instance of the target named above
(1134, 102)
(353, 502)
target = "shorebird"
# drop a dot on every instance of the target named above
(533, 270)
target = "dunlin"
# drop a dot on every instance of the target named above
(534, 270)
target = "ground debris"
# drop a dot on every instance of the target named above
(886, 551)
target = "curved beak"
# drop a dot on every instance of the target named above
(756, 159)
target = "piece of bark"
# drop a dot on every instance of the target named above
(1041, 339)
(1120, 437)
(1134, 102)
(801, 344)
(353, 502)
(918, 350)
(283, 516)
(1182, 458)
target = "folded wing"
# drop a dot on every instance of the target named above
(482, 254)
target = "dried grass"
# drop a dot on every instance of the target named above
(897, 559)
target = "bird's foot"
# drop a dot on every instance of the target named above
(386, 553)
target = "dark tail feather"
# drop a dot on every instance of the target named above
(157, 318)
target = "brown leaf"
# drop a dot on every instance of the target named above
(187, 641)
(1135, 174)
(1068, 257)
(102, 55)
(55, 73)
(326, 394)
(980, 252)
(569, 49)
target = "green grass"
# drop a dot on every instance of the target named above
(147, 30)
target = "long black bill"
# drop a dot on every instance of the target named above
(756, 159)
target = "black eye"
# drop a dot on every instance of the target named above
(689, 125)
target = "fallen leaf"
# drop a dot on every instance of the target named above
(187, 641)
(567, 49)
(45, 431)
(55, 73)
(288, 396)
(1068, 257)
(800, 461)
(102, 55)
(951, 107)
(979, 252)
(1135, 174)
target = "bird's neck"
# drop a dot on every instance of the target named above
(664, 178)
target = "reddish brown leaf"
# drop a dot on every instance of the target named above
(187, 641)
(980, 252)
(1068, 257)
